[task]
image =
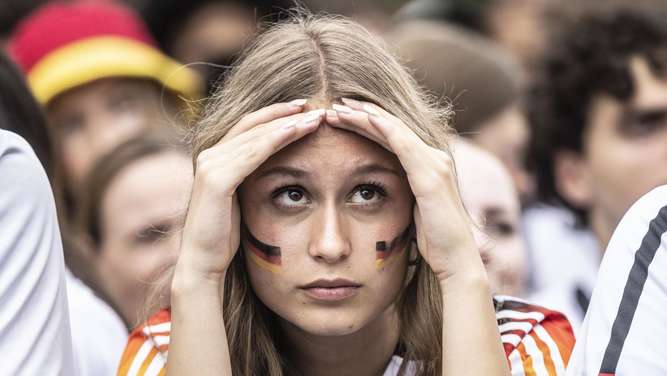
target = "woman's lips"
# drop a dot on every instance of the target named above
(331, 290)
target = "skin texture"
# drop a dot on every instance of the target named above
(496, 214)
(328, 238)
(506, 136)
(94, 118)
(140, 215)
(624, 152)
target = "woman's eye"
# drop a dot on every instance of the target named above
(290, 197)
(152, 234)
(501, 228)
(367, 195)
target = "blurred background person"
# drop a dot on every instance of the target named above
(496, 213)
(35, 335)
(208, 31)
(31, 272)
(517, 25)
(100, 76)
(132, 210)
(484, 83)
(598, 113)
(624, 330)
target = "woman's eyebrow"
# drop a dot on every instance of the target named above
(284, 171)
(375, 167)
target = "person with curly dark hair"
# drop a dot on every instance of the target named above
(598, 112)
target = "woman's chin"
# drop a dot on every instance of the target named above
(332, 324)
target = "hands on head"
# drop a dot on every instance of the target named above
(211, 235)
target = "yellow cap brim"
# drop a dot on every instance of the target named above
(94, 58)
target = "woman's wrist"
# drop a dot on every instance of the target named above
(189, 280)
(465, 269)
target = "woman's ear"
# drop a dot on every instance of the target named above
(413, 253)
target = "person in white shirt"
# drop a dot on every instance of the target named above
(598, 140)
(35, 336)
(624, 330)
(34, 317)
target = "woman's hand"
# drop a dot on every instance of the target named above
(211, 231)
(470, 340)
(444, 234)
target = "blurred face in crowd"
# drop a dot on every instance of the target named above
(489, 195)
(624, 152)
(140, 217)
(214, 33)
(325, 202)
(506, 136)
(92, 119)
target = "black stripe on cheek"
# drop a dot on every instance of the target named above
(633, 290)
(269, 250)
(397, 243)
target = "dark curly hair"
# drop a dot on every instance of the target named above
(588, 56)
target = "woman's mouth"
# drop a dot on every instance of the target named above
(331, 289)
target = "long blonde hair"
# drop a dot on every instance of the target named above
(326, 58)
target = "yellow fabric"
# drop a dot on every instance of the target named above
(94, 58)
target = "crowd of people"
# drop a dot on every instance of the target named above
(396, 188)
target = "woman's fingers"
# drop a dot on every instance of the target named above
(234, 160)
(355, 121)
(265, 115)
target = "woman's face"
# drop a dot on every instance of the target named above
(496, 212)
(324, 220)
(141, 213)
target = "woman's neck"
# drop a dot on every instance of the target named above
(365, 352)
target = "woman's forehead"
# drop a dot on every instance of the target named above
(332, 149)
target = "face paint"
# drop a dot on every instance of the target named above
(384, 250)
(264, 255)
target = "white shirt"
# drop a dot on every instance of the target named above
(35, 334)
(625, 329)
(562, 260)
(98, 333)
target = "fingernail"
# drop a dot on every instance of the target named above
(350, 101)
(312, 116)
(371, 111)
(298, 102)
(342, 109)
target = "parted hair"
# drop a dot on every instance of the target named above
(324, 58)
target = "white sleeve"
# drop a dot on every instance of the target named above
(625, 329)
(35, 336)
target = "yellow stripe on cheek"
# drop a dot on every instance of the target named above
(273, 268)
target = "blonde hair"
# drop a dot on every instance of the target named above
(325, 58)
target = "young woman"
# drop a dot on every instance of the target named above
(331, 242)
(130, 216)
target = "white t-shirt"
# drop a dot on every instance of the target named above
(35, 336)
(98, 333)
(625, 329)
(562, 260)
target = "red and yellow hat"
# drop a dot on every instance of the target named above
(63, 45)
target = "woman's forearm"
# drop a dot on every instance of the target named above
(470, 338)
(198, 343)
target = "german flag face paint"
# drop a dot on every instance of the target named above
(264, 255)
(384, 250)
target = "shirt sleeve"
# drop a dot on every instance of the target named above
(147, 348)
(624, 329)
(544, 350)
(537, 341)
(35, 336)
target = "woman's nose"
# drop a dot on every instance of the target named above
(330, 244)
